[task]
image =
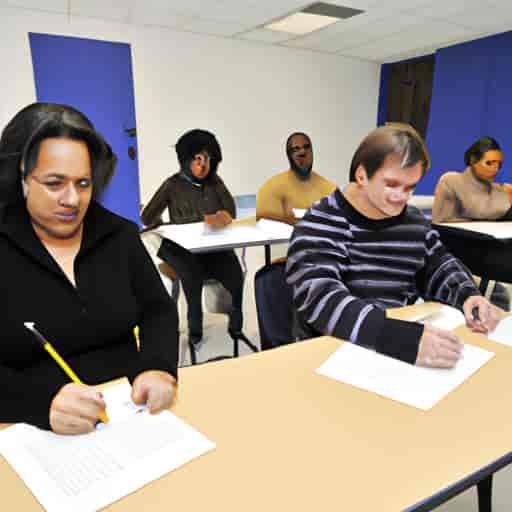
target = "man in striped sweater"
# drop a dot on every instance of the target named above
(358, 252)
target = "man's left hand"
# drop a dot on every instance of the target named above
(480, 314)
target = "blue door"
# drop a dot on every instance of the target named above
(96, 78)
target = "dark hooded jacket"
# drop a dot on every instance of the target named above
(186, 198)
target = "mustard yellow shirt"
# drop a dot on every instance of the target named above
(284, 191)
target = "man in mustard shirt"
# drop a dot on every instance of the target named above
(298, 187)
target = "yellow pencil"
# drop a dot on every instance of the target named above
(137, 338)
(58, 359)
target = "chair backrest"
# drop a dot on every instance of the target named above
(274, 306)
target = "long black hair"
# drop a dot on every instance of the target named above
(21, 139)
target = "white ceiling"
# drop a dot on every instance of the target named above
(387, 30)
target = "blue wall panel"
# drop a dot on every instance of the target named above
(470, 99)
(95, 77)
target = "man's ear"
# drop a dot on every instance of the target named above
(361, 176)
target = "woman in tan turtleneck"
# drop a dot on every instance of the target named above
(472, 194)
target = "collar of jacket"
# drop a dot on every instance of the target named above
(15, 224)
(191, 180)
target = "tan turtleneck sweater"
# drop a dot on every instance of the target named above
(462, 196)
(284, 191)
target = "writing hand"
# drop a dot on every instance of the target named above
(76, 409)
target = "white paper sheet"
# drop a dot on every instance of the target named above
(500, 230)
(406, 383)
(119, 402)
(446, 317)
(503, 332)
(85, 473)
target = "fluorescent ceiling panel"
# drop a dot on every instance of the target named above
(301, 23)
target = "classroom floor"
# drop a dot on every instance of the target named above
(217, 342)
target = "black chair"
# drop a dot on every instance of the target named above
(485, 256)
(274, 306)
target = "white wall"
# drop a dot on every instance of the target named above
(252, 96)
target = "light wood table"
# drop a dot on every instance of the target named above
(289, 439)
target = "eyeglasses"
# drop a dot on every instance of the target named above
(298, 149)
(202, 156)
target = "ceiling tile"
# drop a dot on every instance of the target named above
(373, 30)
(433, 34)
(400, 5)
(355, 4)
(251, 13)
(500, 3)
(266, 36)
(216, 28)
(184, 7)
(482, 18)
(385, 27)
(443, 9)
(46, 5)
(114, 10)
(156, 13)
(318, 38)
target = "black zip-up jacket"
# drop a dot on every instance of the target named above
(90, 325)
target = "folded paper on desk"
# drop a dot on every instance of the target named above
(445, 317)
(503, 332)
(87, 472)
(412, 385)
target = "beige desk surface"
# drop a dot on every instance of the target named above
(292, 440)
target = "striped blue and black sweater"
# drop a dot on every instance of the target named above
(347, 269)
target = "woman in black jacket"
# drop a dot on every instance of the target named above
(80, 273)
(196, 194)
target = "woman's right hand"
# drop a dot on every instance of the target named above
(76, 409)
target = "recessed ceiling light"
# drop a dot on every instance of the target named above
(301, 23)
(312, 18)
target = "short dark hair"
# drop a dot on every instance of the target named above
(21, 139)
(294, 134)
(479, 148)
(395, 138)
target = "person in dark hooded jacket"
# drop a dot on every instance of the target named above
(196, 194)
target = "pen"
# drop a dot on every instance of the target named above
(137, 339)
(58, 359)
